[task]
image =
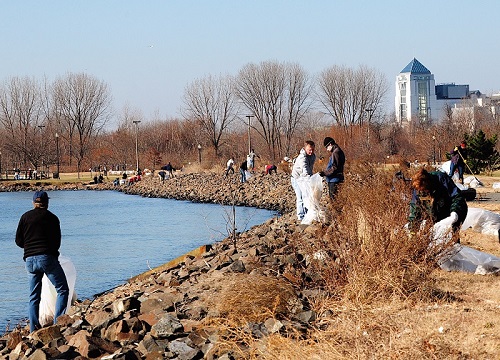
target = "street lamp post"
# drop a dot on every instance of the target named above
(0, 164)
(199, 153)
(370, 113)
(249, 141)
(57, 155)
(41, 147)
(434, 149)
(136, 122)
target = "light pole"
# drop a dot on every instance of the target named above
(370, 113)
(136, 122)
(249, 141)
(57, 155)
(434, 149)
(41, 147)
(199, 153)
(0, 164)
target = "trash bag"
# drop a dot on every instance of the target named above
(482, 221)
(445, 167)
(312, 190)
(473, 182)
(49, 294)
(464, 258)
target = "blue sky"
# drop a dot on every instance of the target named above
(148, 51)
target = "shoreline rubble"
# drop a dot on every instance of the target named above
(166, 313)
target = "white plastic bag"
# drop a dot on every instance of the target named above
(463, 258)
(312, 189)
(445, 167)
(482, 221)
(49, 293)
(472, 182)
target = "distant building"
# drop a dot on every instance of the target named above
(419, 98)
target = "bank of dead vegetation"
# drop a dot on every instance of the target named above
(377, 292)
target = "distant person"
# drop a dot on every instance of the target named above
(270, 168)
(458, 160)
(243, 170)
(436, 197)
(229, 166)
(302, 167)
(334, 172)
(251, 159)
(39, 234)
(170, 170)
(162, 174)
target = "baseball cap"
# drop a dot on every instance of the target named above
(40, 197)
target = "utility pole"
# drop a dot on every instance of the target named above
(370, 113)
(249, 141)
(41, 147)
(136, 122)
(57, 154)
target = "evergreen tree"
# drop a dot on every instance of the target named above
(481, 151)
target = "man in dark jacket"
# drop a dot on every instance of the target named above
(39, 234)
(458, 159)
(334, 172)
(436, 198)
(243, 171)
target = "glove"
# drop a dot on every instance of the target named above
(450, 220)
(322, 173)
(456, 148)
(453, 217)
(443, 229)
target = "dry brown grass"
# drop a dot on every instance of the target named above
(254, 298)
(385, 297)
(365, 253)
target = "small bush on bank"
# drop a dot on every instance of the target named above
(255, 298)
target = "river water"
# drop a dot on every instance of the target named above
(110, 237)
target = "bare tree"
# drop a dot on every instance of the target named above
(278, 95)
(350, 96)
(21, 114)
(83, 102)
(212, 103)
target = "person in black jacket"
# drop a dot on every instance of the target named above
(243, 170)
(436, 198)
(334, 172)
(39, 234)
(458, 159)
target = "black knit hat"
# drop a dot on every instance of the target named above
(328, 140)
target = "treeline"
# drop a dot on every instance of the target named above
(271, 107)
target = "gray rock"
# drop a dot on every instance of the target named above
(166, 326)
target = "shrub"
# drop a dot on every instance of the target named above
(366, 253)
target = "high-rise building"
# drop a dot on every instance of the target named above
(419, 98)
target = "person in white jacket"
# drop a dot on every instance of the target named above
(302, 167)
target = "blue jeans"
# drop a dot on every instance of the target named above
(301, 210)
(460, 169)
(37, 266)
(243, 175)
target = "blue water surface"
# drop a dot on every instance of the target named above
(110, 237)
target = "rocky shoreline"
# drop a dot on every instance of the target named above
(177, 311)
